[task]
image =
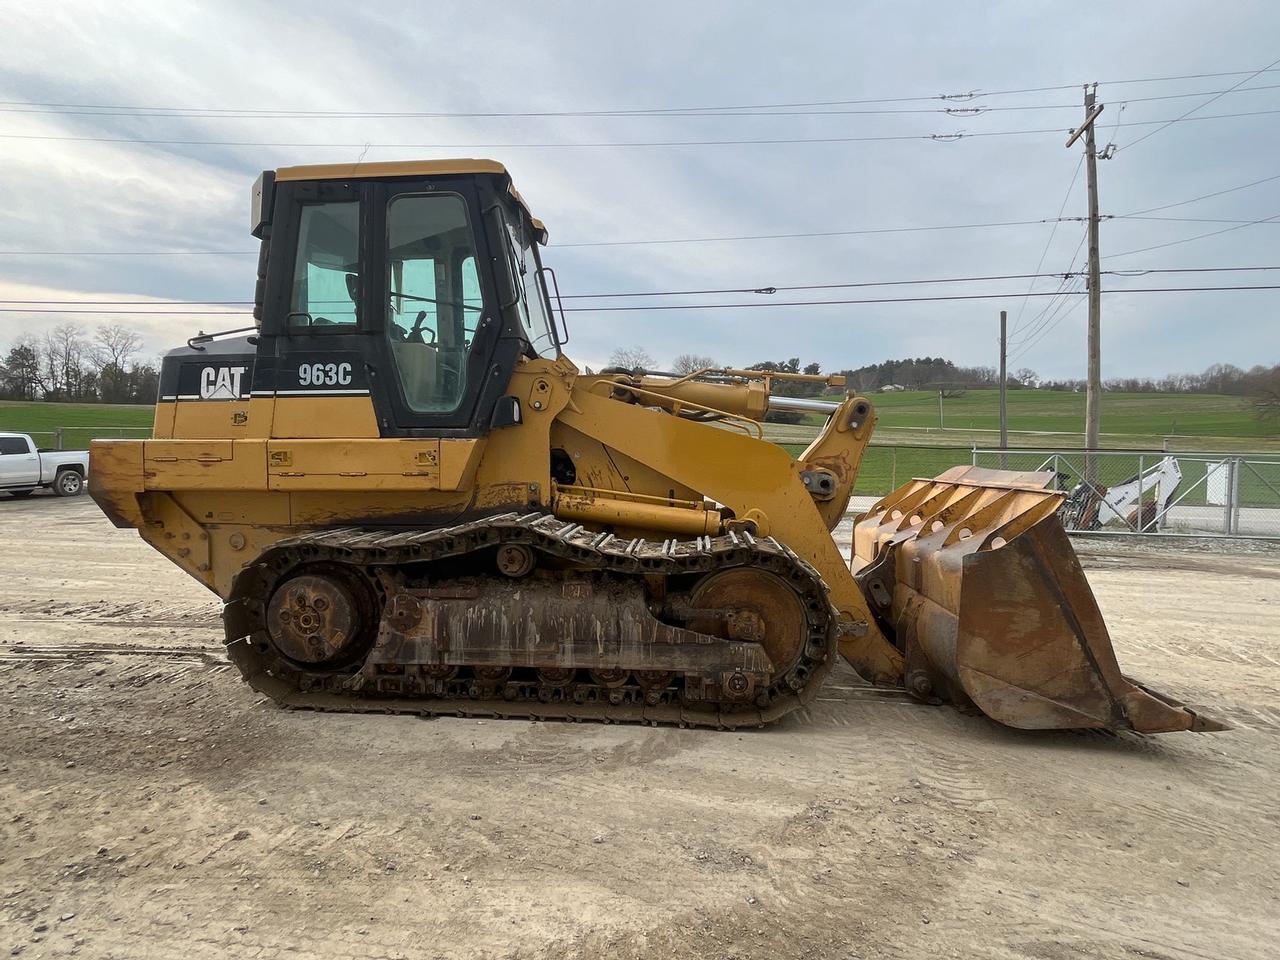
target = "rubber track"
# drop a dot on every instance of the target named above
(270, 674)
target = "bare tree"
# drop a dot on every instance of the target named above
(1026, 376)
(691, 363)
(62, 352)
(631, 358)
(114, 344)
(112, 351)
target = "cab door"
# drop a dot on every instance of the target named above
(19, 462)
(438, 326)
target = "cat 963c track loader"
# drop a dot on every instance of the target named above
(411, 500)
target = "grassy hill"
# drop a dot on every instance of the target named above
(1037, 418)
(1053, 411)
(80, 422)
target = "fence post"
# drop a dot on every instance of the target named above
(1235, 496)
(893, 469)
(1141, 528)
(1230, 465)
(57, 438)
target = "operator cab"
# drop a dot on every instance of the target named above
(418, 284)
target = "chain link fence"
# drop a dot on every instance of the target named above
(1153, 494)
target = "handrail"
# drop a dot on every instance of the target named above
(203, 337)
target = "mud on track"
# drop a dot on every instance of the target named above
(151, 800)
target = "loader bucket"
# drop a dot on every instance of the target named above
(973, 575)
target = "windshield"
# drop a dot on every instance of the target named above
(535, 311)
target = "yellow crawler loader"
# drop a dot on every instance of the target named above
(410, 500)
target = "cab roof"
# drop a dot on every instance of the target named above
(410, 168)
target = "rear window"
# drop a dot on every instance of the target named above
(13, 445)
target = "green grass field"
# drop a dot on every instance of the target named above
(1062, 413)
(80, 422)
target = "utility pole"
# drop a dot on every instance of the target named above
(1093, 375)
(1004, 410)
(940, 424)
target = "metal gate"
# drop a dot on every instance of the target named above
(1157, 494)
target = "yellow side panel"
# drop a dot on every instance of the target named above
(204, 464)
(115, 479)
(321, 417)
(353, 464)
(198, 449)
(215, 507)
(162, 426)
(458, 462)
(229, 419)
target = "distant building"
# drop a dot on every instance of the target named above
(891, 387)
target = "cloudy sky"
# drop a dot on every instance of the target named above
(74, 179)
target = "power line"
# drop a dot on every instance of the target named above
(1199, 236)
(128, 253)
(796, 236)
(1060, 316)
(1182, 219)
(559, 246)
(625, 243)
(1068, 280)
(135, 313)
(970, 296)
(942, 137)
(804, 110)
(1204, 196)
(1185, 76)
(1052, 233)
(732, 109)
(701, 306)
(1200, 106)
(762, 290)
(945, 137)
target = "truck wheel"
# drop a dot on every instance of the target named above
(68, 483)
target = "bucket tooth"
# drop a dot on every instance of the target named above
(976, 579)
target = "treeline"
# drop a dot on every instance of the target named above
(931, 373)
(68, 364)
(1260, 384)
(928, 373)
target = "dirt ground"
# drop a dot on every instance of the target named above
(152, 806)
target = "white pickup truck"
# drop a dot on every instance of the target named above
(24, 469)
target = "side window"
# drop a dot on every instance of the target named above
(12, 445)
(326, 275)
(434, 298)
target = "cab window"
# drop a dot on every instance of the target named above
(326, 275)
(434, 300)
